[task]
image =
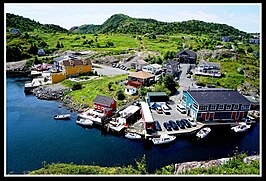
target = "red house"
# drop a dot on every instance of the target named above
(105, 104)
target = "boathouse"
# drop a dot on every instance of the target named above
(105, 104)
(146, 116)
(215, 104)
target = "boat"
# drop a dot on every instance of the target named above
(203, 132)
(133, 136)
(84, 122)
(163, 139)
(241, 127)
(62, 116)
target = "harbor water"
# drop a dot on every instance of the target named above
(33, 136)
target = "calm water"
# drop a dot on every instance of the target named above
(33, 136)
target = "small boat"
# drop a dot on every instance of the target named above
(133, 136)
(203, 132)
(241, 127)
(163, 139)
(62, 116)
(84, 122)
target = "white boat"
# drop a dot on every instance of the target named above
(62, 116)
(203, 132)
(163, 139)
(133, 136)
(84, 122)
(241, 127)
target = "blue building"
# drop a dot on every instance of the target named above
(215, 104)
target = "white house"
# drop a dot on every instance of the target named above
(152, 68)
(130, 90)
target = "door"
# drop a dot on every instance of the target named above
(203, 116)
(233, 115)
(241, 114)
(211, 116)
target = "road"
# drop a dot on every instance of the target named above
(108, 70)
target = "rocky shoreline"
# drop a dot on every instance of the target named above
(186, 166)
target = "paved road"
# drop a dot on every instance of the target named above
(108, 70)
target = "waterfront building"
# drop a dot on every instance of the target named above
(146, 116)
(105, 104)
(69, 66)
(215, 104)
(130, 114)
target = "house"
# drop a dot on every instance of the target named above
(104, 104)
(187, 56)
(137, 79)
(171, 67)
(138, 64)
(152, 68)
(215, 104)
(15, 31)
(226, 39)
(156, 97)
(130, 90)
(69, 66)
(254, 40)
(41, 52)
(208, 69)
(130, 114)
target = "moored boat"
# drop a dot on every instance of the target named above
(133, 136)
(241, 127)
(84, 122)
(62, 116)
(163, 139)
(203, 132)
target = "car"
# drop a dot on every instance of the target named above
(180, 124)
(181, 108)
(186, 123)
(192, 122)
(173, 125)
(166, 109)
(159, 110)
(188, 76)
(167, 126)
(114, 64)
(157, 126)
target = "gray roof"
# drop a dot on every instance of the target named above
(217, 96)
(103, 100)
(190, 53)
(156, 94)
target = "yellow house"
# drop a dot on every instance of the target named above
(70, 66)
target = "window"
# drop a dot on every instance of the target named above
(213, 107)
(236, 106)
(220, 107)
(80, 68)
(203, 108)
(228, 107)
(244, 107)
(99, 107)
(195, 105)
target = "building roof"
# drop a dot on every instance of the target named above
(217, 96)
(156, 94)
(190, 53)
(171, 62)
(207, 63)
(146, 112)
(129, 110)
(103, 100)
(141, 74)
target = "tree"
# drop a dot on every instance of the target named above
(169, 83)
(77, 86)
(120, 94)
(110, 85)
(58, 45)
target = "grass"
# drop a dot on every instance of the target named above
(99, 85)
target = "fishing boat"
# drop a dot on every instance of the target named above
(163, 139)
(62, 116)
(203, 132)
(241, 127)
(84, 122)
(133, 136)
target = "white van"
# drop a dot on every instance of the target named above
(166, 109)
(181, 108)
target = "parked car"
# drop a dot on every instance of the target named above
(181, 108)
(180, 124)
(166, 109)
(186, 123)
(114, 64)
(157, 126)
(159, 110)
(167, 126)
(192, 122)
(173, 125)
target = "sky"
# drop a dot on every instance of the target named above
(242, 16)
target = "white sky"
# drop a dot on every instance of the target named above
(245, 17)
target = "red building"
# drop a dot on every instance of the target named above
(105, 104)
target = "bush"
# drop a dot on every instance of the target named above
(77, 86)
